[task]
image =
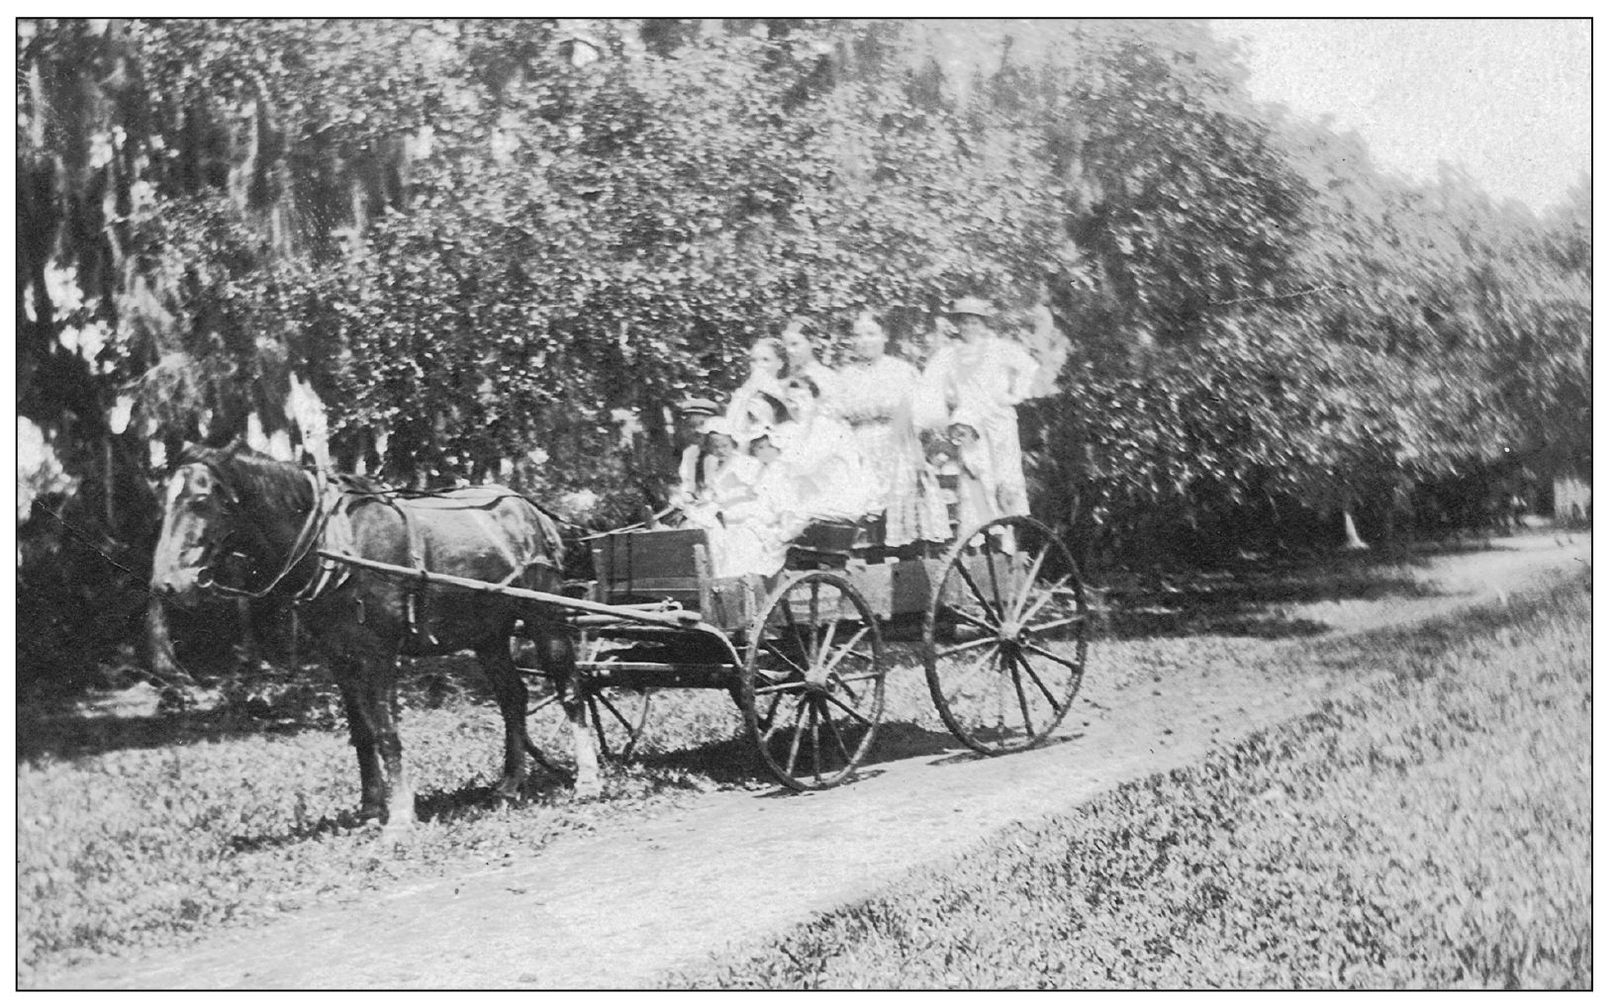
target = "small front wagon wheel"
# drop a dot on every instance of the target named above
(814, 681)
(617, 715)
(1006, 635)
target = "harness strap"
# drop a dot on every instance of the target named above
(329, 574)
(415, 592)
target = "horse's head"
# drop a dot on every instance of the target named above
(198, 517)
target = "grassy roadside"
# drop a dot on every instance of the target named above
(1435, 831)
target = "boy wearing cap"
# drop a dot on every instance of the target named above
(694, 413)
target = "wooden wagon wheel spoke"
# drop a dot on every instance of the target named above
(1021, 695)
(797, 737)
(847, 648)
(594, 710)
(993, 581)
(814, 735)
(603, 700)
(979, 693)
(837, 732)
(1028, 667)
(631, 731)
(784, 657)
(769, 717)
(1046, 598)
(850, 710)
(968, 645)
(813, 653)
(993, 612)
(543, 701)
(959, 613)
(841, 678)
(1076, 665)
(868, 658)
(1030, 578)
(830, 641)
(1045, 627)
(797, 637)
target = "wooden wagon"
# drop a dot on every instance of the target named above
(999, 617)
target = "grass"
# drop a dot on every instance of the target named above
(144, 845)
(1433, 832)
(142, 832)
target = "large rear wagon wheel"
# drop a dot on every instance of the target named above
(1006, 635)
(812, 689)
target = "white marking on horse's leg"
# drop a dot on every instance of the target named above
(400, 802)
(587, 784)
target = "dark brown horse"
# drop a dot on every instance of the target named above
(240, 523)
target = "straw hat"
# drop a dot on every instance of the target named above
(691, 405)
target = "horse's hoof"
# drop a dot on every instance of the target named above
(506, 792)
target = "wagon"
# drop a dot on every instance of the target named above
(998, 616)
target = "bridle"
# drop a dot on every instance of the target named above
(307, 538)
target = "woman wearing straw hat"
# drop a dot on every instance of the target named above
(983, 377)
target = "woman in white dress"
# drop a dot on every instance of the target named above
(828, 480)
(876, 396)
(981, 378)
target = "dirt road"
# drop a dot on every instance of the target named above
(618, 907)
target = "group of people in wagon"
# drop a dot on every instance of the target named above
(800, 442)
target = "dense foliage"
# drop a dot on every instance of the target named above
(499, 249)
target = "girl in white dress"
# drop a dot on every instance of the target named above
(752, 536)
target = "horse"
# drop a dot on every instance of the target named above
(241, 523)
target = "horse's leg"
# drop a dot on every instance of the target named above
(362, 734)
(557, 660)
(512, 695)
(372, 699)
(381, 696)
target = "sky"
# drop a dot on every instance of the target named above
(1509, 100)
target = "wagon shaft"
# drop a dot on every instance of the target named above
(676, 619)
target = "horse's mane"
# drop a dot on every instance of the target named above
(252, 474)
